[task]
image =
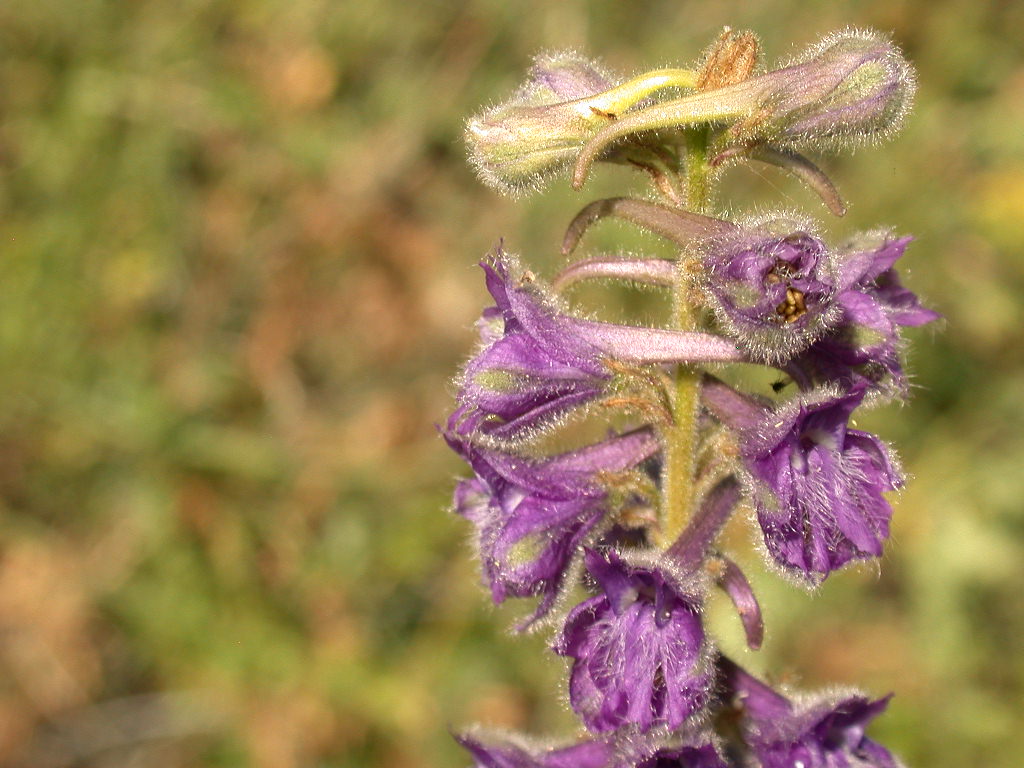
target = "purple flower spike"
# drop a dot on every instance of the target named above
(511, 751)
(819, 484)
(822, 731)
(639, 648)
(772, 293)
(531, 517)
(866, 347)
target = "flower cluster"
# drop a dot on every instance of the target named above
(634, 519)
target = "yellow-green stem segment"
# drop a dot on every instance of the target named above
(678, 480)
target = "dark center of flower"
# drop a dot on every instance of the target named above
(793, 307)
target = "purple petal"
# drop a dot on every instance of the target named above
(819, 485)
(639, 649)
(535, 368)
(532, 517)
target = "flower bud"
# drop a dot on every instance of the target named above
(515, 144)
(565, 100)
(853, 84)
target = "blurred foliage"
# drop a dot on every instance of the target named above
(236, 277)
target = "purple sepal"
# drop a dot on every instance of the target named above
(818, 484)
(532, 369)
(821, 731)
(513, 751)
(639, 648)
(773, 293)
(531, 517)
(866, 346)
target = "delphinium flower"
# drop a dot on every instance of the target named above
(537, 362)
(634, 519)
(815, 483)
(532, 517)
(639, 647)
(819, 730)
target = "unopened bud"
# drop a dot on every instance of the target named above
(851, 85)
(565, 100)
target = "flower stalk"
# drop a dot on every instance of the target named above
(636, 518)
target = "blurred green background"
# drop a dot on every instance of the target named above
(236, 277)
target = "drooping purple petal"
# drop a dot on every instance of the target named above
(639, 648)
(819, 731)
(818, 484)
(531, 517)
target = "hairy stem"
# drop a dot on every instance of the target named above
(681, 437)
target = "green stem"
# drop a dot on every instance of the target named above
(678, 483)
(697, 170)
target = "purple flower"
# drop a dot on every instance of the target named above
(818, 484)
(866, 346)
(531, 517)
(537, 363)
(533, 367)
(773, 293)
(639, 648)
(512, 751)
(821, 731)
